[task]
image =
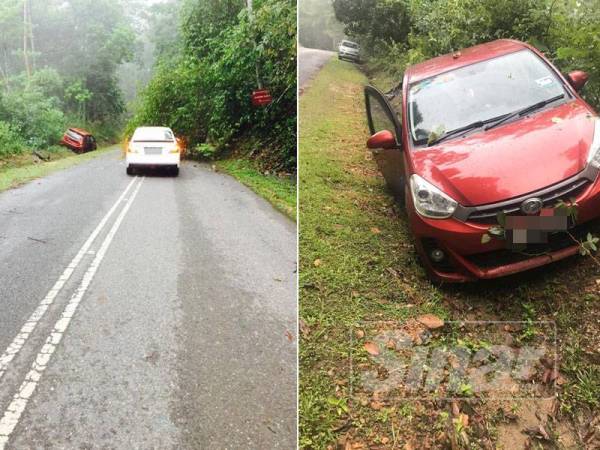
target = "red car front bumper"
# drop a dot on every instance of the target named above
(467, 259)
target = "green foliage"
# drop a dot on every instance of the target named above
(340, 405)
(78, 96)
(575, 39)
(589, 245)
(204, 93)
(398, 33)
(204, 150)
(10, 140)
(375, 21)
(70, 79)
(35, 116)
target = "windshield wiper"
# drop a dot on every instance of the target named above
(471, 126)
(526, 110)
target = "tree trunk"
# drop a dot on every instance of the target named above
(4, 70)
(25, 39)
(31, 40)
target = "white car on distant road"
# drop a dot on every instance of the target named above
(349, 50)
(153, 147)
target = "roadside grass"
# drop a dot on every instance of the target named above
(356, 259)
(20, 169)
(279, 191)
(358, 264)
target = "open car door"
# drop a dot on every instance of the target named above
(386, 139)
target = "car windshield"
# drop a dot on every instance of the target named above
(479, 92)
(349, 44)
(153, 135)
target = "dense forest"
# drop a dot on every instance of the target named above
(396, 33)
(58, 68)
(203, 81)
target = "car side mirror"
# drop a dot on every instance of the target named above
(578, 78)
(383, 139)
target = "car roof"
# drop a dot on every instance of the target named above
(462, 58)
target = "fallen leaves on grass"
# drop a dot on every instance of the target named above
(376, 405)
(431, 321)
(304, 329)
(455, 409)
(317, 263)
(372, 348)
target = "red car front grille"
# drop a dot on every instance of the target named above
(487, 214)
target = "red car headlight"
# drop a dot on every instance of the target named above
(430, 201)
(594, 154)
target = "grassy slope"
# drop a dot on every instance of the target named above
(280, 192)
(357, 263)
(19, 170)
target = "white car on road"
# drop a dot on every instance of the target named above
(153, 147)
(349, 50)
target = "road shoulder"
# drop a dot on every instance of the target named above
(11, 177)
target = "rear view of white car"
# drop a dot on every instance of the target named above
(153, 147)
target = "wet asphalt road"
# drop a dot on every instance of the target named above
(310, 61)
(176, 326)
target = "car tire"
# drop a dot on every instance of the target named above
(130, 171)
(175, 171)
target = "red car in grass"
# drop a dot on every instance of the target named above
(78, 140)
(475, 140)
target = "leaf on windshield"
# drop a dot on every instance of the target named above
(435, 134)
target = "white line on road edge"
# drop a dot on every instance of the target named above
(16, 408)
(19, 341)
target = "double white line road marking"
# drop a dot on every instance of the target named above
(13, 412)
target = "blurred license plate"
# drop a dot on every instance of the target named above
(534, 229)
(152, 150)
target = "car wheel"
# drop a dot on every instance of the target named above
(175, 171)
(130, 171)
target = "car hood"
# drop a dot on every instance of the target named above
(513, 159)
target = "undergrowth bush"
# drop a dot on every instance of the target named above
(10, 141)
(203, 151)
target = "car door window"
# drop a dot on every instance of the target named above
(380, 115)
